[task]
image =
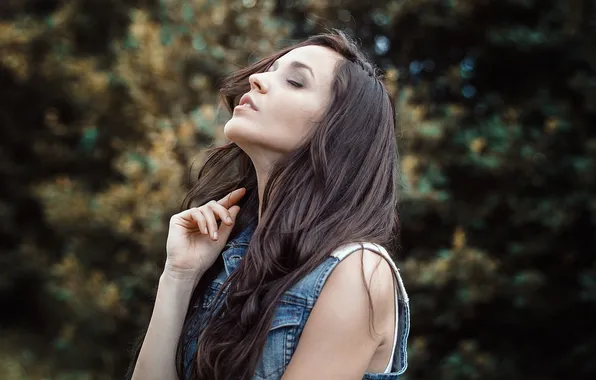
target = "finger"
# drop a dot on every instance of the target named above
(197, 215)
(232, 198)
(225, 230)
(221, 212)
(186, 219)
(211, 222)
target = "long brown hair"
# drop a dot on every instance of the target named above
(340, 185)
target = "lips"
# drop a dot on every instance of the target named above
(247, 102)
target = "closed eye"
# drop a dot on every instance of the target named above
(295, 84)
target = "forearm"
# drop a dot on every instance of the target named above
(158, 353)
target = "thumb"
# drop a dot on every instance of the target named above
(225, 230)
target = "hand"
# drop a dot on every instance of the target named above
(194, 239)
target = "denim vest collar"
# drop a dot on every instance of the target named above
(234, 250)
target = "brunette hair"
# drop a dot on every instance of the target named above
(339, 186)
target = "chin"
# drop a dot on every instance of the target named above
(237, 132)
(231, 129)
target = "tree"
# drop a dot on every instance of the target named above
(496, 104)
(105, 106)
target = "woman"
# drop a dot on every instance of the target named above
(266, 278)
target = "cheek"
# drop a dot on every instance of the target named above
(294, 126)
(298, 120)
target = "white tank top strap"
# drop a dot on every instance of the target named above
(400, 292)
(346, 249)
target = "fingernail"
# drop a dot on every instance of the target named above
(215, 235)
(229, 220)
(205, 231)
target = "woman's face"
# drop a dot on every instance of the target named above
(282, 104)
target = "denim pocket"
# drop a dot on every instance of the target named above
(281, 341)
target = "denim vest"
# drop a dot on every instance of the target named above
(293, 310)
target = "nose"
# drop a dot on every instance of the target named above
(256, 82)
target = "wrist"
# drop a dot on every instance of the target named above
(175, 289)
(180, 279)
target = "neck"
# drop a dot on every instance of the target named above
(263, 174)
(263, 161)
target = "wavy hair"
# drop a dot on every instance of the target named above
(339, 186)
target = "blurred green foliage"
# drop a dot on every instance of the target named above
(104, 106)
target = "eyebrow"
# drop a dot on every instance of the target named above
(297, 65)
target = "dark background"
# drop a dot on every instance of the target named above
(105, 104)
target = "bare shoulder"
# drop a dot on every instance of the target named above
(362, 273)
(337, 341)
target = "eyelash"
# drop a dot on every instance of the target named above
(295, 84)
